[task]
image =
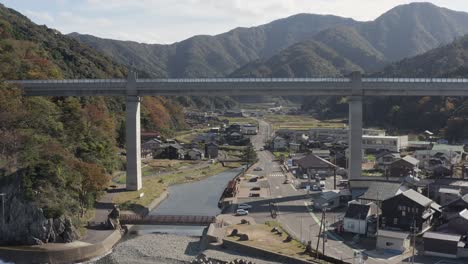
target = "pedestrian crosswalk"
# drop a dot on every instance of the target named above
(279, 174)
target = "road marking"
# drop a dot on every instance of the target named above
(333, 236)
(293, 186)
(276, 175)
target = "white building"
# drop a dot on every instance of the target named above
(390, 143)
(355, 219)
(249, 129)
(340, 134)
(393, 242)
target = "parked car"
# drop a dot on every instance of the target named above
(343, 183)
(244, 206)
(315, 187)
(261, 149)
(258, 169)
(305, 176)
(322, 184)
(253, 179)
(242, 212)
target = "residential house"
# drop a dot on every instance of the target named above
(237, 139)
(211, 150)
(448, 195)
(234, 113)
(441, 244)
(322, 153)
(384, 159)
(419, 145)
(392, 242)
(233, 128)
(329, 200)
(357, 217)
(407, 208)
(294, 147)
(404, 167)
(452, 209)
(279, 144)
(459, 223)
(172, 151)
(147, 135)
(432, 160)
(313, 165)
(381, 191)
(195, 154)
(148, 146)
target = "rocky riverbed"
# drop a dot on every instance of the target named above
(166, 249)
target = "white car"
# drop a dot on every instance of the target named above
(244, 206)
(322, 184)
(242, 212)
(305, 176)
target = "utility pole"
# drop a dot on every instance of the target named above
(413, 228)
(319, 235)
(3, 209)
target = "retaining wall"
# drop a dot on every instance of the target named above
(75, 253)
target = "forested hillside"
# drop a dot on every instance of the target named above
(404, 31)
(448, 115)
(56, 154)
(215, 56)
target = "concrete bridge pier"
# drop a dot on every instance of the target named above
(133, 141)
(355, 129)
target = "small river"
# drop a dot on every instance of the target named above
(193, 198)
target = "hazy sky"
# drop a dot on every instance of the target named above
(167, 21)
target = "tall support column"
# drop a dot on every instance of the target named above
(355, 129)
(133, 141)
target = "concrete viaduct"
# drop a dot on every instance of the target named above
(355, 88)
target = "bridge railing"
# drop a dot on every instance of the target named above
(128, 219)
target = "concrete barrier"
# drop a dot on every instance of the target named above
(67, 253)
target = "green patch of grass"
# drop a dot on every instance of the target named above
(240, 120)
(299, 122)
(371, 158)
(186, 136)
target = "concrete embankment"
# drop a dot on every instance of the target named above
(77, 251)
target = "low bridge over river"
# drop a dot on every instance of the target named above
(186, 220)
(355, 88)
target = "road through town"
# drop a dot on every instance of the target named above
(292, 203)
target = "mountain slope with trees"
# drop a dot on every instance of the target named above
(401, 32)
(56, 154)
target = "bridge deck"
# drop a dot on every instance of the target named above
(250, 86)
(196, 220)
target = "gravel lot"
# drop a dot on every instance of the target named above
(160, 248)
(165, 249)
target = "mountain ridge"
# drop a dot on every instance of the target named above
(403, 31)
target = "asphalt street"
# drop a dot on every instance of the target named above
(293, 205)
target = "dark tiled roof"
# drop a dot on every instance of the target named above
(313, 161)
(379, 191)
(357, 211)
(417, 197)
(442, 236)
